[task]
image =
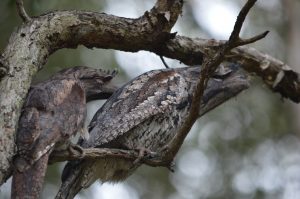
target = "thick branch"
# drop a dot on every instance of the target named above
(70, 29)
(277, 75)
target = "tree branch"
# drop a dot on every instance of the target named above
(269, 69)
(98, 153)
(21, 11)
(235, 34)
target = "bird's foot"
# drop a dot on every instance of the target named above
(76, 150)
(144, 153)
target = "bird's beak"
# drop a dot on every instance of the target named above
(104, 92)
(222, 88)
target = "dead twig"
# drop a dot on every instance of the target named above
(163, 61)
(21, 11)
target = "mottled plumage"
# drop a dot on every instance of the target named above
(145, 113)
(54, 110)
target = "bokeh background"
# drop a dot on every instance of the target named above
(247, 148)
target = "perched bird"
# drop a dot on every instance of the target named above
(145, 113)
(54, 110)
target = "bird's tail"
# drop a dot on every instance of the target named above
(72, 180)
(29, 183)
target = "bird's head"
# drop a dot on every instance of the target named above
(225, 84)
(96, 82)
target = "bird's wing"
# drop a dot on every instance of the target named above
(148, 95)
(70, 110)
(52, 112)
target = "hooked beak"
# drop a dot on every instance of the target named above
(101, 93)
(223, 88)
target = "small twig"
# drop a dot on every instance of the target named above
(21, 11)
(234, 39)
(240, 20)
(242, 42)
(164, 62)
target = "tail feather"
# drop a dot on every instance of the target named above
(71, 180)
(79, 175)
(28, 184)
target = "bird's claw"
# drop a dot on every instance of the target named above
(164, 149)
(75, 149)
(144, 154)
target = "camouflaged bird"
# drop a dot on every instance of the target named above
(145, 113)
(53, 111)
